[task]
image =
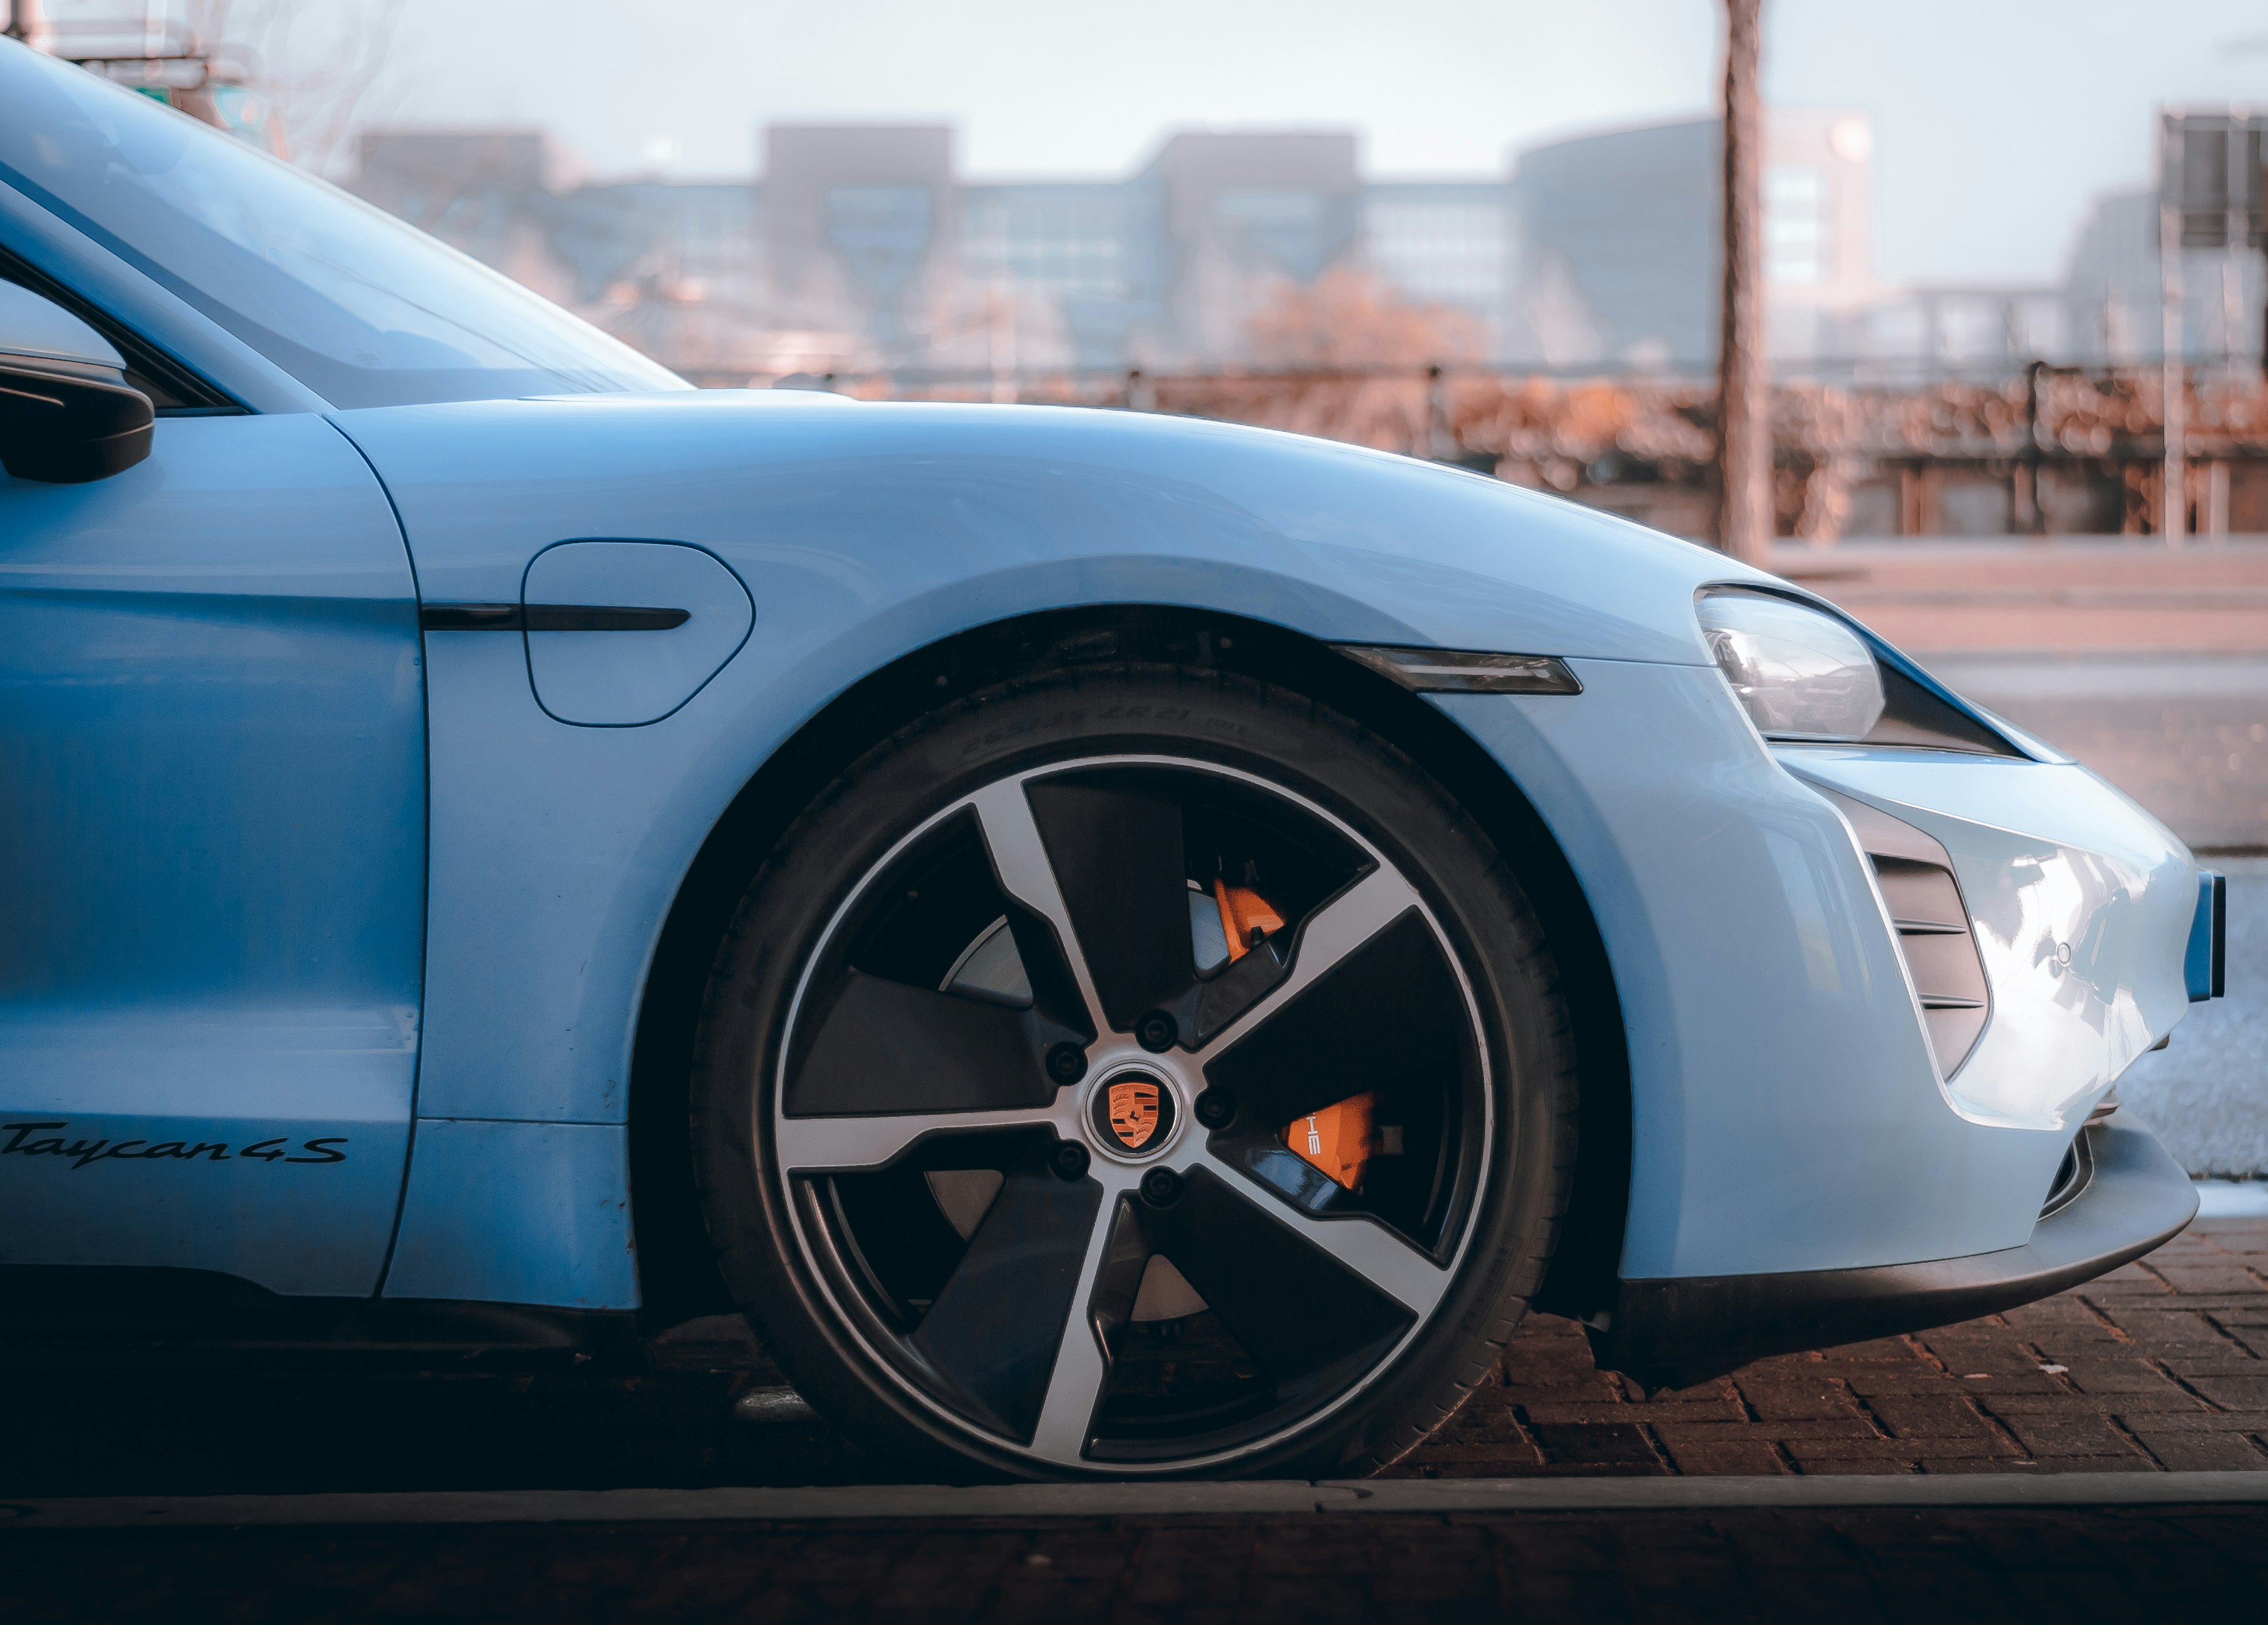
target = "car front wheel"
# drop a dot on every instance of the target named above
(1135, 1072)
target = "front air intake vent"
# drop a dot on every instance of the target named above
(1916, 876)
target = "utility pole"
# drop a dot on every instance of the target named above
(26, 23)
(1744, 452)
(2173, 474)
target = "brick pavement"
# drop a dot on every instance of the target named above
(2163, 1365)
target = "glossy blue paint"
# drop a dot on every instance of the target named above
(516, 1212)
(622, 679)
(2080, 904)
(211, 855)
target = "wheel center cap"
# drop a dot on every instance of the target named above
(1132, 1113)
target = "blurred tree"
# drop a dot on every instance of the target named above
(318, 61)
(1351, 318)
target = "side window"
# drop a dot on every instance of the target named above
(173, 389)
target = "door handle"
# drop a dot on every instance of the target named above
(548, 618)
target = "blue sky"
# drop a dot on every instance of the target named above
(1996, 121)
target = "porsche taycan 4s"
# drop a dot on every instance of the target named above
(1124, 945)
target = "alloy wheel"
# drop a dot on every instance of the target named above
(1052, 1108)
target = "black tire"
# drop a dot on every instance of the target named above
(1351, 1321)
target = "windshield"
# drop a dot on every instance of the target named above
(359, 307)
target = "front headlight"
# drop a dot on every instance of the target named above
(1801, 674)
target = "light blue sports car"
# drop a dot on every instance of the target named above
(1125, 946)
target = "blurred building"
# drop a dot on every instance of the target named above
(1618, 233)
(863, 246)
(866, 244)
(2113, 286)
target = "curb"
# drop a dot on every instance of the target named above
(1024, 1503)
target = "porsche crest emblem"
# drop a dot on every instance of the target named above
(1134, 1112)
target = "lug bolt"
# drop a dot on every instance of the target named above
(1216, 1107)
(1156, 1032)
(1068, 1160)
(1161, 1188)
(1066, 1064)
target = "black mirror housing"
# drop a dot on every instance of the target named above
(67, 414)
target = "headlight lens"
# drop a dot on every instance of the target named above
(1801, 674)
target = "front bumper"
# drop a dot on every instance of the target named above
(1671, 1333)
(1789, 1109)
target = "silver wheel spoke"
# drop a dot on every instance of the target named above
(1370, 1250)
(815, 1144)
(1341, 927)
(1019, 857)
(1075, 1386)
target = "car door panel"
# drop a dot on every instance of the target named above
(212, 811)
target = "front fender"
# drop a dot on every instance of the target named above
(862, 534)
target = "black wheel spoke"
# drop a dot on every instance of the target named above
(1305, 1296)
(1116, 846)
(1367, 997)
(881, 1046)
(1000, 1321)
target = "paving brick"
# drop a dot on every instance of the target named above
(2095, 1405)
(2208, 1277)
(1853, 1449)
(2062, 1309)
(1777, 1398)
(2135, 1275)
(1604, 1444)
(1552, 1413)
(2190, 1451)
(1982, 1388)
(2201, 1421)
(2068, 1436)
(1729, 1409)
(1997, 1356)
(2184, 1323)
(2121, 1377)
(2232, 1393)
(1876, 1349)
(1507, 1458)
(1915, 1415)
(2217, 1363)
(1753, 1456)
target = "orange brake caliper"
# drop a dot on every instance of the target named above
(1337, 1139)
(1246, 917)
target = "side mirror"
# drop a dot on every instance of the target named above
(67, 414)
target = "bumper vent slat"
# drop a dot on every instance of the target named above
(1931, 918)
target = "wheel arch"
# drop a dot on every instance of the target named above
(677, 1277)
